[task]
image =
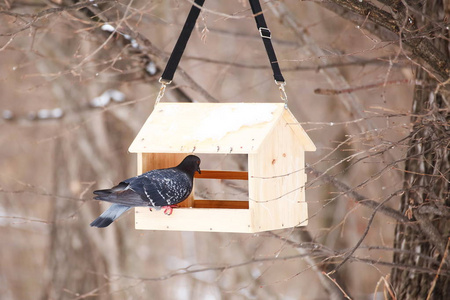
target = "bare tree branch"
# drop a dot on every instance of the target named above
(419, 45)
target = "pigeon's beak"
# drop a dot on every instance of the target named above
(198, 169)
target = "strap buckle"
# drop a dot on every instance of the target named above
(265, 33)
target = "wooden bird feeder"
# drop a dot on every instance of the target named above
(267, 133)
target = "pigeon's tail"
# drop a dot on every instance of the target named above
(109, 215)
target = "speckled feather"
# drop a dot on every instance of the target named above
(156, 188)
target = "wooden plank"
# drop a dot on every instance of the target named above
(151, 161)
(215, 174)
(298, 130)
(195, 219)
(217, 128)
(221, 204)
(139, 163)
(277, 181)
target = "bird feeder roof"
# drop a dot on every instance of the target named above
(214, 128)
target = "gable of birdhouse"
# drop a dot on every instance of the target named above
(213, 128)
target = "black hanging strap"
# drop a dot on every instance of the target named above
(178, 50)
(266, 37)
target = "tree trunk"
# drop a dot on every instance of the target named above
(424, 241)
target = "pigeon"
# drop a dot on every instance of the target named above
(160, 188)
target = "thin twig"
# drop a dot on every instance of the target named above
(334, 281)
(444, 258)
(366, 231)
(395, 214)
(366, 87)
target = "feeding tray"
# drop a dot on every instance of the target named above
(270, 136)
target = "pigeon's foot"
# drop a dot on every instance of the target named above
(169, 209)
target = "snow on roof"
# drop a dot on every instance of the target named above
(211, 127)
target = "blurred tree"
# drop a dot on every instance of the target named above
(423, 31)
(426, 200)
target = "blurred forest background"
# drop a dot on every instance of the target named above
(368, 80)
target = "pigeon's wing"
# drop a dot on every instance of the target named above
(109, 215)
(125, 197)
(120, 187)
(163, 187)
(155, 188)
(123, 185)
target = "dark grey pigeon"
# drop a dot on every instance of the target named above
(157, 188)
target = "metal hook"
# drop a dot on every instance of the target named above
(283, 95)
(162, 89)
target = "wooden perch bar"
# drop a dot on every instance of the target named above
(220, 204)
(231, 175)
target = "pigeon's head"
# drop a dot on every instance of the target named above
(190, 164)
